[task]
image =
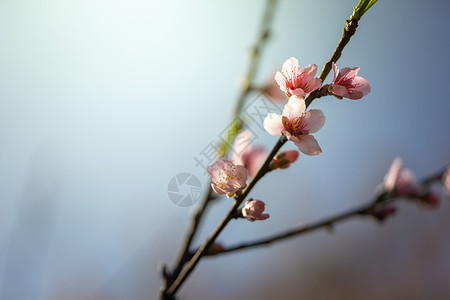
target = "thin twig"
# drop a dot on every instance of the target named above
(326, 223)
(364, 210)
(348, 31)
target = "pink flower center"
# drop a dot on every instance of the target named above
(228, 175)
(294, 126)
(293, 79)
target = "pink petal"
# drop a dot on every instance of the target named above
(294, 108)
(254, 159)
(308, 72)
(446, 181)
(272, 124)
(298, 92)
(336, 72)
(391, 176)
(307, 144)
(315, 84)
(264, 217)
(279, 78)
(241, 146)
(347, 74)
(290, 64)
(339, 90)
(217, 189)
(362, 85)
(314, 120)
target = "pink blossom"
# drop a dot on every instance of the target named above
(296, 125)
(347, 84)
(253, 210)
(295, 81)
(245, 155)
(272, 90)
(446, 181)
(227, 178)
(401, 181)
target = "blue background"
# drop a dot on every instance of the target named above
(103, 102)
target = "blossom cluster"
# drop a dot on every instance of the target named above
(295, 123)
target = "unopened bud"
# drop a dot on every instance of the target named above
(214, 249)
(253, 210)
(283, 159)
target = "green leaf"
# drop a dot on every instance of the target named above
(362, 7)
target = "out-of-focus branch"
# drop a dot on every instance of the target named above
(263, 35)
(369, 209)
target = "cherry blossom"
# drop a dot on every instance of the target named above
(297, 125)
(253, 210)
(346, 84)
(227, 178)
(400, 180)
(246, 155)
(446, 181)
(295, 81)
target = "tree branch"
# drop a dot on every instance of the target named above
(368, 209)
(348, 31)
(169, 294)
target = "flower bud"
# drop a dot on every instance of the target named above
(283, 159)
(214, 249)
(253, 210)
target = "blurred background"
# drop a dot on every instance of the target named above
(103, 102)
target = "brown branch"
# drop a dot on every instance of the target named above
(368, 209)
(169, 294)
(348, 31)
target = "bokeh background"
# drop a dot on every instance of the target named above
(103, 102)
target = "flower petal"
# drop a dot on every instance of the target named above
(272, 124)
(217, 189)
(279, 78)
(314, 84)
(314, 120)
(298, 92)
(336, 71)
(289, 64)
(308, 72)
(307, 144)
(391, 176)
(241, 146)
(339, 90)
(254, 159)
(347, 74)
(294, 108)
(361, 85)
